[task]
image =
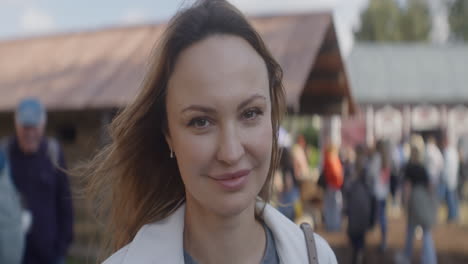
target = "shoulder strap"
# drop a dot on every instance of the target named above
(310, 243)
(53, 151)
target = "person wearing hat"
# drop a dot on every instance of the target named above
(36, 164)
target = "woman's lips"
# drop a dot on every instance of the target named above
(232, 181)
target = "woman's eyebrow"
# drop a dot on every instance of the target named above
(199, 108)
(209, 110)
(250, 100)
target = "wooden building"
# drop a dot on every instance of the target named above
(408, 88)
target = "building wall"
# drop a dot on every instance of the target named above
(354, 129)
(397, 121)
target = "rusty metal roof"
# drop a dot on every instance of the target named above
(104, 68)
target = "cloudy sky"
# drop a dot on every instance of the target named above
(20, 18)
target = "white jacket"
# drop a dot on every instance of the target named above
(162, 242)
(434, 163)
(381, 188)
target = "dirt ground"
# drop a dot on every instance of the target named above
(451, 241)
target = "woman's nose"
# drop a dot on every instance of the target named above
(230, 148)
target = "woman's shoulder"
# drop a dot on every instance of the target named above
(118, 257)
(160, 240)
(152, 242)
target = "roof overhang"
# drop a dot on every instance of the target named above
(104, 69)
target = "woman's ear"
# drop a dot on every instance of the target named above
(169, 144)
(168, 140)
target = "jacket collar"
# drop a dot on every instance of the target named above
(289, 238)
(163, 240)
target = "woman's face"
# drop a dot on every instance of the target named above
(219, 119)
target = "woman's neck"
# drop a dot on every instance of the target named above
(211, 238)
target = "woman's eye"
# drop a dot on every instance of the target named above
(252, 113)
(199, 123)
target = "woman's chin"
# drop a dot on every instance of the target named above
(230, 206)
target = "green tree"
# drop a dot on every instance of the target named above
(379, 22)
(387, 21)
(415, 21)
(458, 19)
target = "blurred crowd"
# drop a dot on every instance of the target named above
(355, 184)
(344, 189)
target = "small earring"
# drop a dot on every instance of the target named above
(172, 154)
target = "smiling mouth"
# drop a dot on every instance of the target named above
(229, 176)
(232, 181)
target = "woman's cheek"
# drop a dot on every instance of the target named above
(196, 152)
(260, 142)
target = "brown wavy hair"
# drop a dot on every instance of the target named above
(133, 181)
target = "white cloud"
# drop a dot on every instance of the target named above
(134, 16)
(34, 20)
(17, 3)
(13, 2)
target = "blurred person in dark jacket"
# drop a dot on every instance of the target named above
(420, 202)
(359, 202)
(37, 166)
